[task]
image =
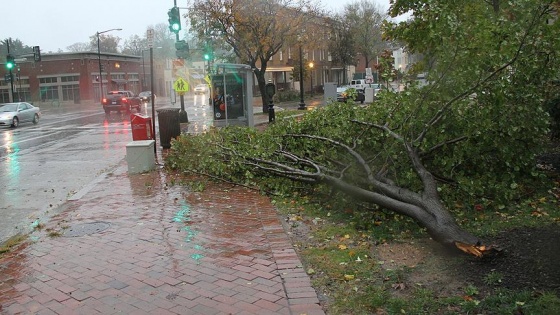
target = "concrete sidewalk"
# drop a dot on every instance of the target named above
(137, 244)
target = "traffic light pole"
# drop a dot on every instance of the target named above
(10, 71)
(12, 85)
(183, 116)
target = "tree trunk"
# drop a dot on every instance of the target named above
(261, 82)
(427, 211)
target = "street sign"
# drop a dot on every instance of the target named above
(150, 37)
(181, 86)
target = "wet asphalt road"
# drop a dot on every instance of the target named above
(42, 166)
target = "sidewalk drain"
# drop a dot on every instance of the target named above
(86, 229)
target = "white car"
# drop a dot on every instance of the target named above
(201, 89)
(12, 114)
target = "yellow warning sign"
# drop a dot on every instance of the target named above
(181, 85)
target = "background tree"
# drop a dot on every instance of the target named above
(164, 43)
(17, 47)
(79, 47)
(365, 20)
(134, 45)
(255, 30)
(107, 43)
(341, 45)
(466, 140)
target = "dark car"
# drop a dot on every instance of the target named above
(120, 101)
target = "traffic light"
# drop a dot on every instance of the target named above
(10, 62)
(174, 20)
(208, 55)
(36, 53)
(182, 49)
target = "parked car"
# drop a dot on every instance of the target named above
(146, 96)
(201, 89)
(343, 93)
(12, 114)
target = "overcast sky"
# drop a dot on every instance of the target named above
(57, 24)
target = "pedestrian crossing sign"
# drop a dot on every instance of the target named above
(181, 85)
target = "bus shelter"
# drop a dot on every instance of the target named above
(232, 95)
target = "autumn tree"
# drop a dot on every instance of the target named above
(365, 20)
(107, 43)
(466, 140)
(340, 43)
(255, 30)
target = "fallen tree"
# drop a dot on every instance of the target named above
(469, 137)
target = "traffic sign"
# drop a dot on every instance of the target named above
(150, 37)
(181, 86)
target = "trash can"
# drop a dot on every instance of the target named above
(141, 127)
(169, 125)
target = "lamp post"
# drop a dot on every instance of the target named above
(99, 59)
(302, 105)
(311, 76)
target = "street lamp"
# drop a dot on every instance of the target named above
(311, 76)
(99, 59)
(301, 102)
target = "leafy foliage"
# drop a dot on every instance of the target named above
(471, 129)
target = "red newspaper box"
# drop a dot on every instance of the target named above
(141, 127)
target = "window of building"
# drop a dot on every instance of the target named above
(23, 94)
(70, 92)
(281, 55)
(70, 78)
(24, 81)
(48, 93)
(48, 80)
(4, 96)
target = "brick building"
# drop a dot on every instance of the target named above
(71, 77)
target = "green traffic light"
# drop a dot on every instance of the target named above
(206, 56)
(176, 27)
(10, 62)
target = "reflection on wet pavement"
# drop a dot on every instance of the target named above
(167, 250)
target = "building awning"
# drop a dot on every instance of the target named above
(279, 69)
(120, 81)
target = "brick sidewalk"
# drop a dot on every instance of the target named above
(135, 244)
